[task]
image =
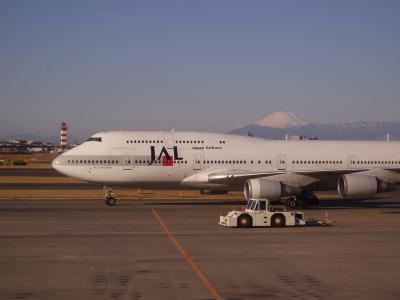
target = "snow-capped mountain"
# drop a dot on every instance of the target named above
(281, 119)
(278, 125)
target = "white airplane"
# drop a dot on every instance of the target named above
(218, 163)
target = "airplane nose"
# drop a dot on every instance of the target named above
(56, 164)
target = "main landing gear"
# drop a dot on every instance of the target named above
(302, 200)
(109, 199)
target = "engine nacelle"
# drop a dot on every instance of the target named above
(356, 185)
(267, 189)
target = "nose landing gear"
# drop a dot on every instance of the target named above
(109, 199)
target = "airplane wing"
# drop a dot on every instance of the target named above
(300, 179)
(233, 177)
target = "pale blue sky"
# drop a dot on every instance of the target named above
(195, 65)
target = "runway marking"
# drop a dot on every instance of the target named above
(187, 257)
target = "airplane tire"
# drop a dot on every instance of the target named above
(314, 201)
(278, 220)
(110, 201)
(291, 202)
(211, 192)
(302, 203)
(244, 221)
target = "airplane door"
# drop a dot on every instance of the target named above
(352, 160)
(169, 140)
(281, 162)
(127, 160)
(196, 162)
(125, 155)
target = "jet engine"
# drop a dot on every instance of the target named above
(356, 185)
(264, 188)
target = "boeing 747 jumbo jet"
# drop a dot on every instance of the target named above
(218, 163)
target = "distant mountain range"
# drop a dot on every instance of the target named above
(280, 124)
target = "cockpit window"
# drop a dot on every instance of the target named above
(94, 139)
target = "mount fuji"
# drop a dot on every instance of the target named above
(280, 124)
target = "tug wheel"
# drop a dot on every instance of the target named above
(244, 221)
(278, 220)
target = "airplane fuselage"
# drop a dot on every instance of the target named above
(186, 159)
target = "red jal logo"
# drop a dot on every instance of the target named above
(167, 159)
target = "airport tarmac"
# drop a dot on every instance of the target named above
(174, 249)
(29, 172)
